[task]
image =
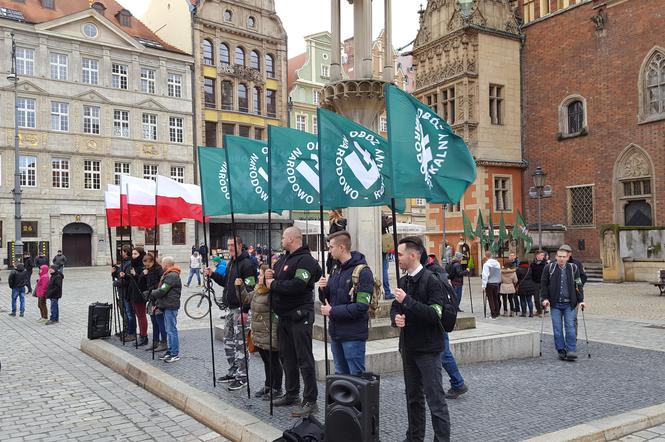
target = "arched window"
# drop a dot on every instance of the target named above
(240, 56)
(243, 105)
(655, 85)
(270, 66)
(251, 22)
(575, 117)
(572, 117)
(224, 56)
(254, 60)
(256, 101)
(207, 53)
(228, 15)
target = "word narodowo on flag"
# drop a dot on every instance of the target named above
(248, 174)
(214, 175)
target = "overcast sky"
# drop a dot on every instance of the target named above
(304, 17)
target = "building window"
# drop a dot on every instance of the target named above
(228, 129)
(59, 116)
(502, 194)
(452, 208)
(251, 22)
(150, 172)
(254, 62)
(270, 66)
(560, 4)
(227, 95)
(211, 133)
(544, 7)
(243, 131)
(152, 236)
(224, 56)
(572, 117)
(125, 18)
(315, 125)
(581, 205)
(256, 100)
(27, 169)
(209, 92)
(420, 202)
(240, 56)
(529, 10)
(207, 53)
(655, 85)
(316, 97)
(150, 127)
(92, 174)
(27, 112)
(60, 173)
(271, 103)
(178, 174)
(91, 120)
(383, 124)
(121, 123)
(49, 4)
(90, 71)
(242, 98)
(120, 169)
(433, 102)
(120, 76)
(59, 65)
(575, 117)
(258, 133)
(301, 122)
(228, 15)
(496, 104)
(325, 71)
(90, 30)
(176, 129)
(147, 81)
(178, 234)
(25, 61)
(448, 102)
(174, 85)
(99, 7)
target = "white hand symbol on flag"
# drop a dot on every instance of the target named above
(367, 177)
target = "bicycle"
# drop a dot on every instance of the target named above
(198, 305)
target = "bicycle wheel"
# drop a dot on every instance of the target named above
(196, 306)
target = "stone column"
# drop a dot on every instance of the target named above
(335, 55)
(362, 38)
(389, 65)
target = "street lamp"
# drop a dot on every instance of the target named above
(540, 191)
(18, 243)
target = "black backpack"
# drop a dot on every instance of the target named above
(449, 313)
(309, 430)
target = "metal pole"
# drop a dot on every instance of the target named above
(443, 233)
(540, 224)
(18, 243)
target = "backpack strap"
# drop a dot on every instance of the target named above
(355, 280)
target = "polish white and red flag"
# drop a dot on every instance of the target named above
(177, 201)
(137, 201)
(112, 205)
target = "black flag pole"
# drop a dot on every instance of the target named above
(395, 245)
(270, 322)
(121, 302)
(322, 246)
(115, 319)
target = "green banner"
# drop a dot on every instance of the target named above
(468, 230)
(480, 229)
(429, 160)
(214, 180)
(294, 164)
(248, 174)
(503, 233)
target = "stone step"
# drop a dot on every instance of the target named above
(382, 311)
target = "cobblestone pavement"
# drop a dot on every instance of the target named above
(51, 391)
(653, 434)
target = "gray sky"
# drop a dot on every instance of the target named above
(304, 17)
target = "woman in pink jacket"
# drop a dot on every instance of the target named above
(42, 285)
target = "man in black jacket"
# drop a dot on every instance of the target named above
(536, 269)
(239, 266)
(18, 279)
(417, 312)
(28, 264)
(291, 285)
(561, 287)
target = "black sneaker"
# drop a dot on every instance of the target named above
(571, 356)
(305, 410)
(454, 393)
(21, 315)
(262, 392)
(276, 394)
(286, 400)
(237, 384)
(226, 378)
(172, 358)
(166, 355)
(562, 355)
(12, 314)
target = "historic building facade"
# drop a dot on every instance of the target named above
(467, 61)
(99, 95)
(594, 120)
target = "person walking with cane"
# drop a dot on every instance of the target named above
(561, 287)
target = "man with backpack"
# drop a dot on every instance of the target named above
(456, 273)
(417, 311)
(346, 297)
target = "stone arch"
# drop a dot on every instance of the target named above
(633, 182)
(643, 113)
(564, 129)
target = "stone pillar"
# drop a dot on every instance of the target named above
(362, 38)
(389, 65)
(335, 46)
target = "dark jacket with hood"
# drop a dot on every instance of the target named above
(54, 290)
(537, 271)
(550, 285)
(242, 268)
(59, 261)
(128, 284)
(167, 296)
(40, 261)
(293, 287)
(151, 280)
(19, 277)
(349, 316)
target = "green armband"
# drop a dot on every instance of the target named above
(303, 275)
(363, 297)
(250, 280)
(165, 288)
(437, 308)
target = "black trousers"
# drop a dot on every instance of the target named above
(276, 366)
(423, 382)
(295, 350)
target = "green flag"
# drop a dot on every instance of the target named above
(521, 231)
(294, 166)
(503, 233)
(490, 230)
(480, 228)
(214, 181)
(355, 164)
(429, 160)
(468, 230)
(248, 174)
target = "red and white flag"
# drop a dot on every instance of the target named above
(137, 201)
(176, 201)
(112, 205)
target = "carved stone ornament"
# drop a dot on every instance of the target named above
(635, 166)
(600, 19)
(91, 145)
(460, 20)
(150, 150)
(242, 72)
(28, 139)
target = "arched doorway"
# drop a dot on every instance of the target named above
(633, 188)
(77, 244)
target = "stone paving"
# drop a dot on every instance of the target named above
(653, 434)
(51, 391)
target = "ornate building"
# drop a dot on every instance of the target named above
(99, 95)
(599, 130)
(467, 61)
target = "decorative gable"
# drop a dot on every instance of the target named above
(25, 87)
(151, 104)
(94, 96)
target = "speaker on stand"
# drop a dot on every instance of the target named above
(352, 408)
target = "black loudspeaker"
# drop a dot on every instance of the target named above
(99, 320)
(352, 408)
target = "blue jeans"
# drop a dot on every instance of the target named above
(450, 365)
(131, 318)
(158, 327)
(55, 310)
(193, 272)
(458, 294)
(349, 356)
(386, 279)
(563, 316)
(170, 321)
(18, 292)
